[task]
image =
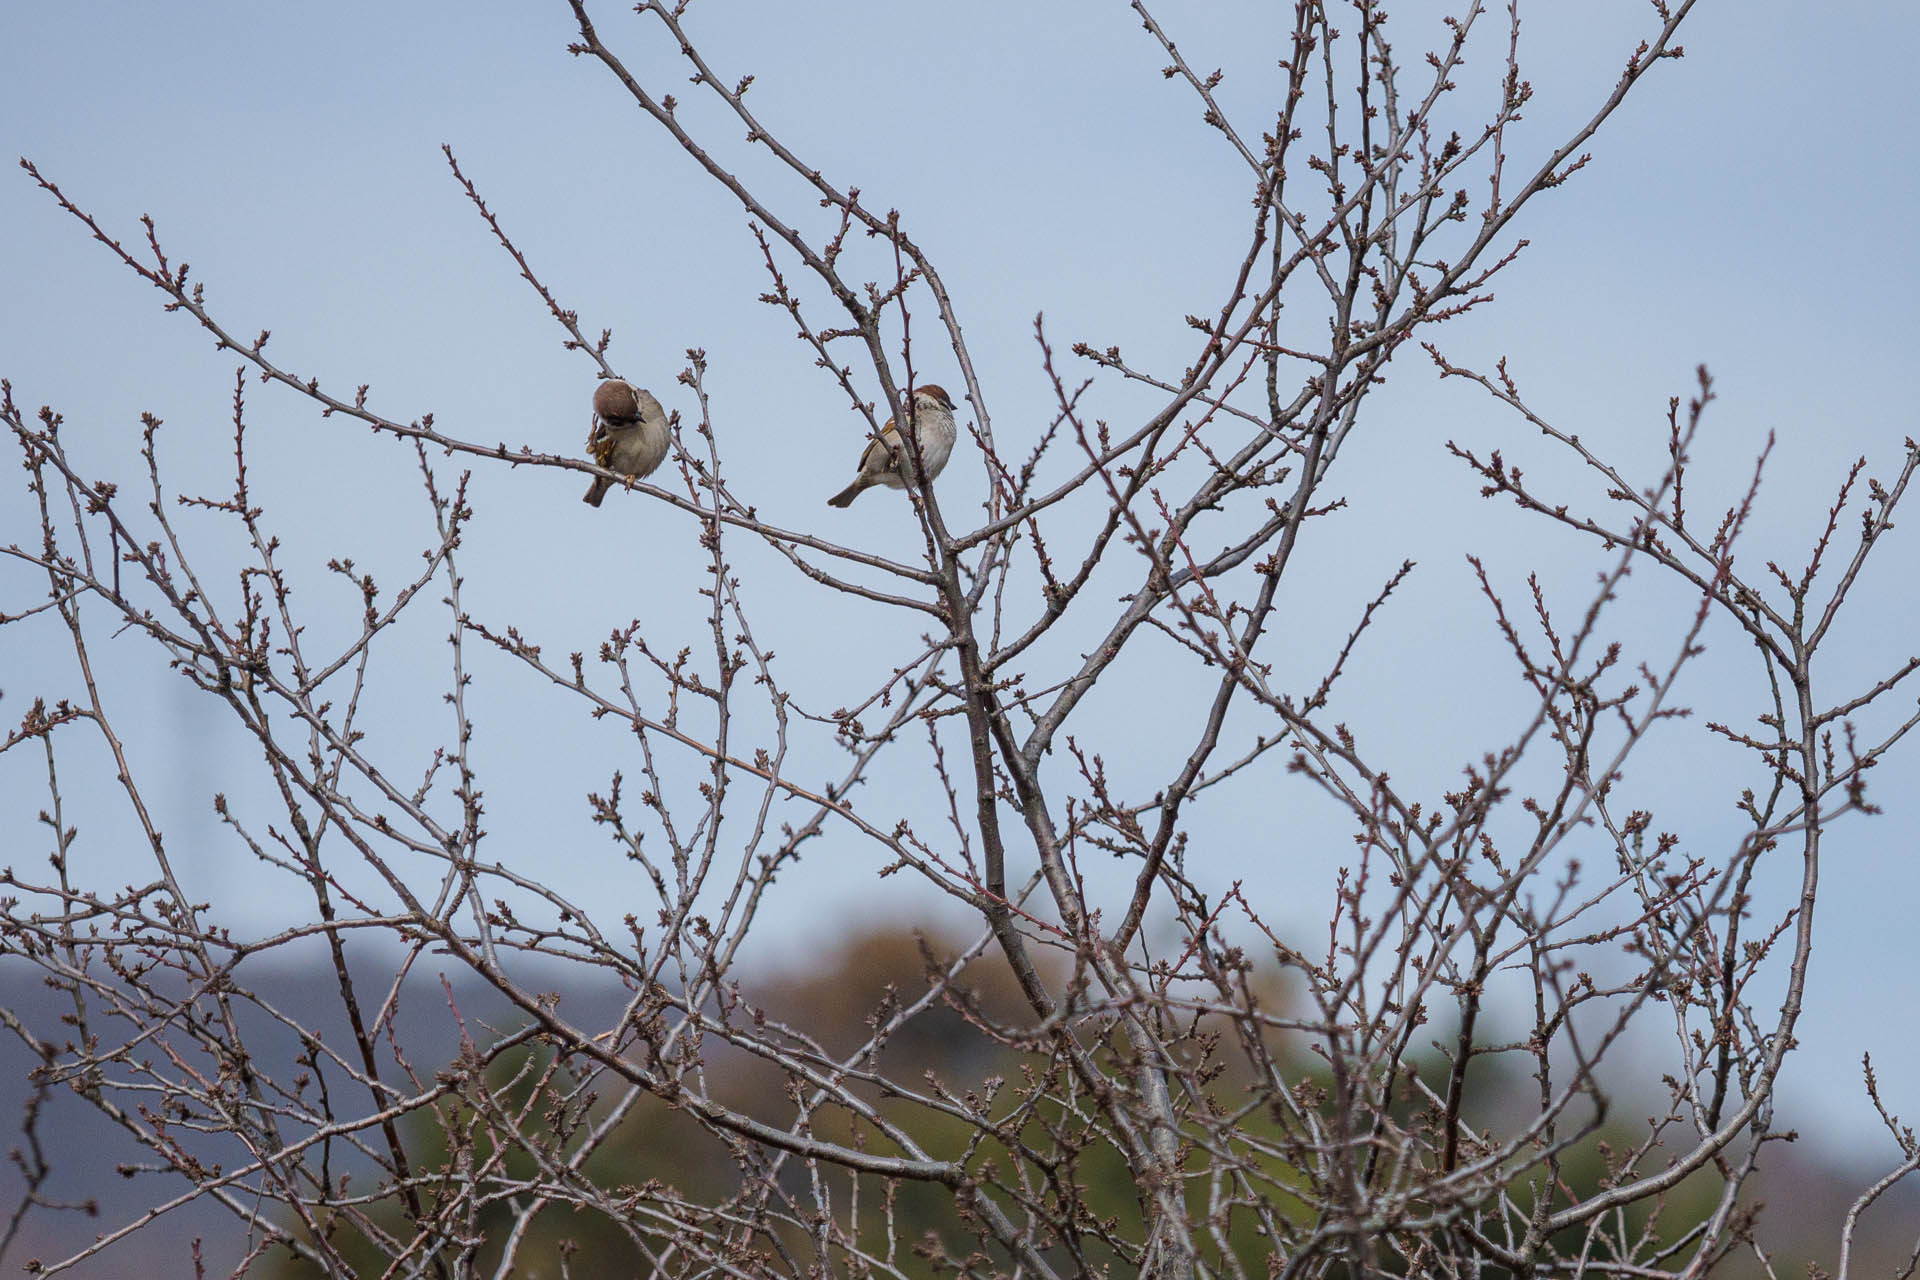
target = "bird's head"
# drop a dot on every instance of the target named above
(616, 401)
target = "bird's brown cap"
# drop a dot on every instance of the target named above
(615, 401)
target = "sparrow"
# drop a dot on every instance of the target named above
(935, 433)
(629, 434)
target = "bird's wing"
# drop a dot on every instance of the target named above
(600, 442)
(879, 454)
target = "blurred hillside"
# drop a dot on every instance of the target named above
(1805, 1188)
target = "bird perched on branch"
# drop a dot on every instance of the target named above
(882, 463)
(629, 434)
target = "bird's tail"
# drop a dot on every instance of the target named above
(845, 497)
(599, 490)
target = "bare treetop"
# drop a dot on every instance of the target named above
(1146, 1065)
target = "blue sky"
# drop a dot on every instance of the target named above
(1750, 208)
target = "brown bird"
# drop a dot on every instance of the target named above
(933, 430)
(629, 434)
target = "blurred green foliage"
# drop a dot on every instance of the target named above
(658, 1156)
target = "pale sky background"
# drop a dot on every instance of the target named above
(1750, 208)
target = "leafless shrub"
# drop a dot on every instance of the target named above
(1269, 1101)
